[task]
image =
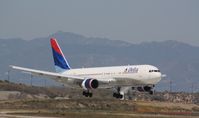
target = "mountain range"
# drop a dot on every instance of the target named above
(179, 61)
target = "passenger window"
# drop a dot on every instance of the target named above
(150, 71)
(154, 71)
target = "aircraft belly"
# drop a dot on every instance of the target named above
(123, 80)
(127, 81)
(118, 80)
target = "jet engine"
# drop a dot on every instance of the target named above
(89, 84)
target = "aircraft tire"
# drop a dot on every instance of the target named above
(117, 95)
(90, 94)
(120, 96)
(114, 95)
(151, 92)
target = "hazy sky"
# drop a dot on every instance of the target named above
(130, 20)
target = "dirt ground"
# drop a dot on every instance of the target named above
(95, 108)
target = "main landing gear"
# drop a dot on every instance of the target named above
(87, 93)
(118, 94)
(147, 89)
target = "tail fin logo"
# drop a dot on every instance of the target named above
(60, 61)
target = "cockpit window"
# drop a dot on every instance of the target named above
(154, 71)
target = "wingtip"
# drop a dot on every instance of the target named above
(11, 66)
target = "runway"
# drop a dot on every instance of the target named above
(11, 114)
(14, 116)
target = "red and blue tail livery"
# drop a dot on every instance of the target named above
(60, 61)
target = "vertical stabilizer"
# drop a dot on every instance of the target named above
(60, 61)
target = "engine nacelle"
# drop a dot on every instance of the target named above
(90, 84)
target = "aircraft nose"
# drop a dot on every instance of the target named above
(157, 75)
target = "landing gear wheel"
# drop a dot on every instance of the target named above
(151, 92)
(90, 95)
(120, 96)
(87, 94)
(117, 95)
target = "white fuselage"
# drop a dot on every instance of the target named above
(124, 75)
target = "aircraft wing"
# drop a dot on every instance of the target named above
(47, 74)
(55, 76)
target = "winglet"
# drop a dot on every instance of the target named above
(60, 61)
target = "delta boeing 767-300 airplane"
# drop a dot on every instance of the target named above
(120, 78)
